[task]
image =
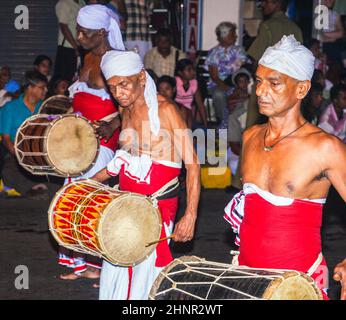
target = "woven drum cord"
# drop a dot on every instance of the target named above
(80, 207)
(245, 274)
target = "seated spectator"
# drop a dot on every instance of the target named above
(331, 34)
(318, 77)
(241, 81)
(163, 58)
(312, 104)
(14, 113)
(333, 119)
(58, 86)
(222, 61)
(188, 94)
(9, 88)
(43, 64)
(321, 58)
(167, 87)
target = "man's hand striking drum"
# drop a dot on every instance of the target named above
(105, 129)
(340, 275)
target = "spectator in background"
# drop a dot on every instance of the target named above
(271, 30)
(188, 94)
(333, 33)
(137, 26)
(167, 87)
(312, 104)
(43, 64)
(320, 58)
(14, 113)
(162, 59)
(237, 105)
(333, 119)
(58, 86)
(119, 7)
(68, 51)
(9, 88)
(318, 77)
(222, 61)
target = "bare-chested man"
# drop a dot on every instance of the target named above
(97, 32)
(154, 141)
(288, 167)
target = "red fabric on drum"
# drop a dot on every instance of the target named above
(94, 108)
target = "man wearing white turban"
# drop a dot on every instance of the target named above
(97, 32)
(154, 142)
(288, 166)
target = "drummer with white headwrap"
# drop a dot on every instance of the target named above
(154, 141)
(97, 31)
(288, 166)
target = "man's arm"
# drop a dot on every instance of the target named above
(62, 13)
(101, 176)
(8, 144)
(68, 36)
(214, 75)
(106, 129)
(185, 228)
(334, 156)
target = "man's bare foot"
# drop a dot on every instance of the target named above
(91, 273)
(69, 276)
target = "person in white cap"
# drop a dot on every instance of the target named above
(154, 141)
(97, 31)
(288, 166)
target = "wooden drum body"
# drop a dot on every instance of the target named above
(193, 278)
(60, 145)
(91, 218)
(58, 104)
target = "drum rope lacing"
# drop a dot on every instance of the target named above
(218, 278)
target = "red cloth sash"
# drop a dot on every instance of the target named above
(94, 108)
(159, 176)
(280, 237)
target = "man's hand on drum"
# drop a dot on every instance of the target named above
(185, 228)
(106, 129)
(340, 275)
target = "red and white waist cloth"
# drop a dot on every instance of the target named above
(94, 104)
(141, 174)
(276, 232)
(144, 176)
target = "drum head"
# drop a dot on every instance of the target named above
(57, 104)
(72, 146)
(127, 225)
(293, 286)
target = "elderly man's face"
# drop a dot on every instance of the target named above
(88, 38)
(126, 90)
(277, 93)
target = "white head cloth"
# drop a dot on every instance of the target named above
(97, 16)
(126, 64)
(288, 56)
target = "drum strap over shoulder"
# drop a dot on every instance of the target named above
(166, 191)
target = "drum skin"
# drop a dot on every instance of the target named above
(193, 278)
(64, 145)
(92, 218)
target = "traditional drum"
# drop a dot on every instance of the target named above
(57, 104)
(193, 278)
(91, 218)
(60, 145)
